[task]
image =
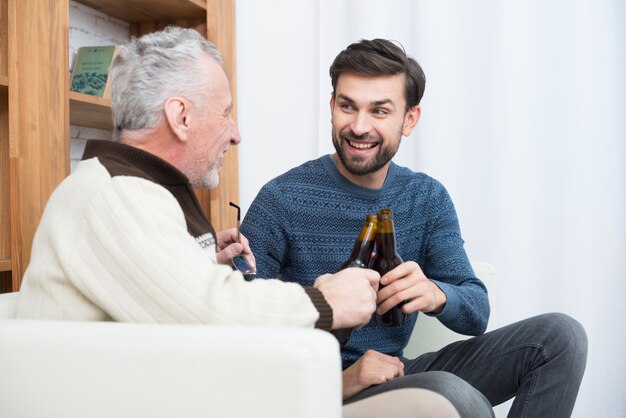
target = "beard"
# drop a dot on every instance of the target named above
(358, 165)
(210, 179)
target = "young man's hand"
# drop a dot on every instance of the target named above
(408, 283)
(373, 368)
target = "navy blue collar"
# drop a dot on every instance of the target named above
(344, 183)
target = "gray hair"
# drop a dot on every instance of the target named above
(149, 70)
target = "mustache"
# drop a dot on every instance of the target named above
(350, 136)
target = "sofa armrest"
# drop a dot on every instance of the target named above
(8, 305)
(99, 369)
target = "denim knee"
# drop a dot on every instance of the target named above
(567, 334)
(569, 343)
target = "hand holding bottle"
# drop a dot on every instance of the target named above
(407, 283)
(351, 294)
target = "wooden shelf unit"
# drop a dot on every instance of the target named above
(90, 111)
(5, 264)
(6, 283)
(137, 11)
(37, 108)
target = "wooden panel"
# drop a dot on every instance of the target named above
(135, 11)
(38, 115)
(221, 31)
(6, 285)
(5, 264)
(5, 207)
(4, 43)
(90, 111)
(142, 28)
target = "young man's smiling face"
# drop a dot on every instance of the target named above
(369, 117)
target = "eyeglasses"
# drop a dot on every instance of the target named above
(239, 262)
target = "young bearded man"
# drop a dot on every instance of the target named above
(304, 222)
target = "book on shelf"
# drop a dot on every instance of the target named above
(91, 69)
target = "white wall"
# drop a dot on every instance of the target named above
(522, 121)
(274, 88)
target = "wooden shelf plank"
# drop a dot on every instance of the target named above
(90, 111)
(4, 83)
(137, 11)
(5, 264)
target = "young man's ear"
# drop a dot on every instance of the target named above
(332, 106)
(178, 117)
(410, 119)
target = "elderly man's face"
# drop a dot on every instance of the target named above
(214, 130)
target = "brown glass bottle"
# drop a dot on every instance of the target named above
(364, 245)
(360, 257)
(386, 259)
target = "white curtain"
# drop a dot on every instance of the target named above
(523, 120)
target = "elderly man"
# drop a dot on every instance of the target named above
(124, 239)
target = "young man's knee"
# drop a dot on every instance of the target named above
(567, 332)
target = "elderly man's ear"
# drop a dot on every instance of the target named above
(178, 117)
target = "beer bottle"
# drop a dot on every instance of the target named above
(364, 245)
(360, 257)
(386, 259)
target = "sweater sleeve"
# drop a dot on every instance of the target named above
(133, 257)
(467, 307)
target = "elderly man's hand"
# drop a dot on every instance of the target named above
(228, 247)
(351, 294)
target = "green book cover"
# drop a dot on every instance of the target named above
(91, 68)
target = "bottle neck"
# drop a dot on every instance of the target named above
(386, 238)
(364, 245)
(362, 252)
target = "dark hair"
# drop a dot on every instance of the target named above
(381, 57)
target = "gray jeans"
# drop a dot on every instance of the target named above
(540, 361)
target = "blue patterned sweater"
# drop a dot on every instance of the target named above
(303, 224)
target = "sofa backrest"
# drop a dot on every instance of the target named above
(8, 305)
(431, 335)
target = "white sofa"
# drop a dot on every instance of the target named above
(114, 370)
(431, 335)
(63, 369)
